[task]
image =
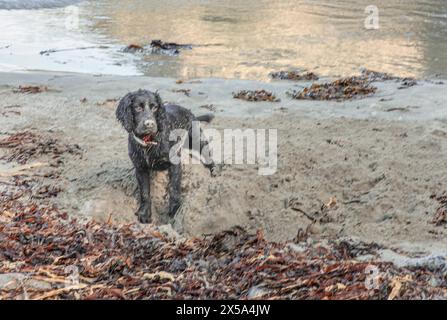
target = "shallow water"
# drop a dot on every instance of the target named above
(232, 39)
(35, 4)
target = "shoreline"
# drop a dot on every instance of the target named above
(374, 155)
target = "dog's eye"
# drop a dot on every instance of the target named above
(153, 107)
(139, 109)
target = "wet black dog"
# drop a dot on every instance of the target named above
(149, 123)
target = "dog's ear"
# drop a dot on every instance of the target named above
(124, 112)
(158, 99)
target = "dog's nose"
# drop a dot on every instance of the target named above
(148, 123)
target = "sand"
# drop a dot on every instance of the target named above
(375, 161)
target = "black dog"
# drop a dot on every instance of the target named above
(149, 123)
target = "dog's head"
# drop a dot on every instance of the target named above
(139, 112)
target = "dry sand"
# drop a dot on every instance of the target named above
(380, 157)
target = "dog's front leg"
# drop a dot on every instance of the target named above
(144, 185)
(175, 183)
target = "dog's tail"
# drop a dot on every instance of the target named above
(206, 117)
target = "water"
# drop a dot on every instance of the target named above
(232, 39)
(34, 4)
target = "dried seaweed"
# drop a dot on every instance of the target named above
(158, 47)
(407, 83)
(341, 89)
(31, 89)
(58, 257)
(27, 145)
(132, 48)
(186, 92)
(255, 95)
(294, 75)
(349, 87)
(441, 213)
(168, 46)
(374, 76)
(209, 107)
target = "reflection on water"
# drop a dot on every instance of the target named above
(250, 38)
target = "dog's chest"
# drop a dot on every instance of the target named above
(157, 157)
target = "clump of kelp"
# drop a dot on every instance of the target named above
(30, 89)
(294, 75)
(158, 47)
(23, 146)
(255, 95)
(348, 87)
(441, 213)
(342, 89)
(46, 254)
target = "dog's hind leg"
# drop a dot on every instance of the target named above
(144, 185)
(175, 183)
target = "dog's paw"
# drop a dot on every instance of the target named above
(215, 170)
(173, 208)
(144, 215)
(145, 219)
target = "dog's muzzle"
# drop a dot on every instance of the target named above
(150, 125)
(146, 133)
(147, 141)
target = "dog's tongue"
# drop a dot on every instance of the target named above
(147, 139)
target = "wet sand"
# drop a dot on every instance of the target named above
(380, 157)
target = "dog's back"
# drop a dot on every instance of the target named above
(176, 112)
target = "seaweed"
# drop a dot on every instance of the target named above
(27, 145)
(441, 212)
(49, 254)
(341, 89)
(255, 96)
(349, 87)
(294, 75)
(30, 89)
(157, 47)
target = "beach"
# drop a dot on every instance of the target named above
(363, 169)
(328, 130)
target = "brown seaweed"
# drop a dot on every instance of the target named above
(441, 213)
(349, 87)
(255, 96)
(341, 89)
(51, 255)
(294, 75)
(23, 146)
(31, 89)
